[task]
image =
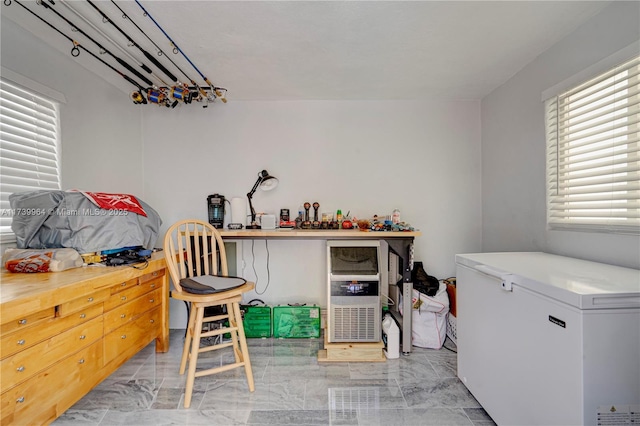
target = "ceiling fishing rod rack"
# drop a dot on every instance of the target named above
(165, 93)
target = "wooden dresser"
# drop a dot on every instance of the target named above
(62, 333)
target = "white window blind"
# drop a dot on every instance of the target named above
(29, 147)
(593, 153)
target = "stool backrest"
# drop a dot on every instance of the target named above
(192, 248)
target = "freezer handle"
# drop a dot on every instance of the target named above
(506, 279)
(496, 273)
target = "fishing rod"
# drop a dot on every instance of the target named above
(113, 42)
(144, 52)
(160, 51)
(119, 60)
(216, 90)
(137, 97)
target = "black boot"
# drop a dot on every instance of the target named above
(422, 281)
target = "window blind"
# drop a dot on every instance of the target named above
(29, 147)
(593, 153)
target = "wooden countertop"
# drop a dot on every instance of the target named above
(324, 234)
(30, 292)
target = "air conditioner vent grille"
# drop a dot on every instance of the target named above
(353, 324)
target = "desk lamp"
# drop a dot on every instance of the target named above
(266, 182)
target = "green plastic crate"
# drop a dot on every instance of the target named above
(296, 321)
(256, 320)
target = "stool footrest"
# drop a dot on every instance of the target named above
(219, 369)
(215, 347)
(217, 331)
(215, 318)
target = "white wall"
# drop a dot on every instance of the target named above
(100, 127)
(513, 147)
(364, 157)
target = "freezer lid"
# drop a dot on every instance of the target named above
(579, 283)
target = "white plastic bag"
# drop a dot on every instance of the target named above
(42, 260)
(429, 318)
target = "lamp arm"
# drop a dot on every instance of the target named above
(255, 187)
(250, 196)
(253, 212)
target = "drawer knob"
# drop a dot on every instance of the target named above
(153, 286)
(155, 274)
(123, 284)
(152, 321)
(123, 298)
(123, 316)
(83, 315)
(151, 300)
(22, 321)
(21, 342)
(81, 361)
(90, 299)
(20, 400)
(20, 369)
(124, 336)
(83, 337)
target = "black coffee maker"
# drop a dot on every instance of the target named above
(215, 204)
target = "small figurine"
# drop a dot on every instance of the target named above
(316, 222)
(307, 223)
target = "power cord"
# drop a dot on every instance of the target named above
(253, 266)
(142, 266)
(448, 339)
(391, 302)
(253, 261)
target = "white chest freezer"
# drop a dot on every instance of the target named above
(549, 340)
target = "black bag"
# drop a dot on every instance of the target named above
(127, 256)
(423, 282)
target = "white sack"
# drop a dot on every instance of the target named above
(429, 318)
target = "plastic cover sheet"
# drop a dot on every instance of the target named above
(56, 219)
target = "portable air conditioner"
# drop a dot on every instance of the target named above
(356, 277)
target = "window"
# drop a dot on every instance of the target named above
(593, 153)
(29, 146)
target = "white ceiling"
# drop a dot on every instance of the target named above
(311, 50)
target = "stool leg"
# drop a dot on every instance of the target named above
(234, 334)
(187, 339)
(193, 359)
(243, 346)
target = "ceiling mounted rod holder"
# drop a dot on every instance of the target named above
(266, 182)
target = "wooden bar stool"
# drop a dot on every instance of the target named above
(193, 251)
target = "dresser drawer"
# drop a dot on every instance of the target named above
(152, 276)
(25, 364)
(22, 339)
(125, 313)
(83, 302)
(133, 336)
(27, 321)
(46, 395)
(127, 295)
(124, 285)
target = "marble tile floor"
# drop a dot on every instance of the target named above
(291, 388)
